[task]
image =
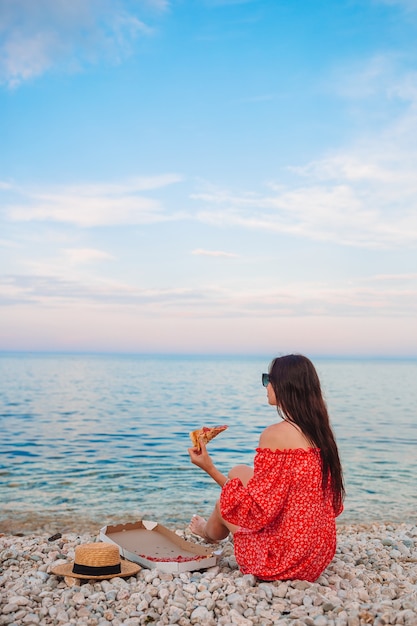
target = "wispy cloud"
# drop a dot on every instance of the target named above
(7, 243)
(381, 80)
(363, 195)
(400, 278)
(351, 299)
(258, 98)
(38, 36)
(214, 253)
(77, 256)
(365, 78)
(408, 5)
(93, 204)
(338, 213)
(220, 3)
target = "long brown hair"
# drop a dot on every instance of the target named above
(300, 401)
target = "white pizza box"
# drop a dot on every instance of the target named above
(153, 546)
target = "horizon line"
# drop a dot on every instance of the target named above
(231, 355)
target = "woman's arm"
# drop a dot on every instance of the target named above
(255, 505)
(202, 459)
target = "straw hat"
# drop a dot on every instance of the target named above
(96, 560)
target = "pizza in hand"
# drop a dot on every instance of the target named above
(206, 433)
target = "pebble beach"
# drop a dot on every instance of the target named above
(372, 580)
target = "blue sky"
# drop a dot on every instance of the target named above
(214, 176)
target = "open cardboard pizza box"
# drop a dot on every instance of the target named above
(154, 546)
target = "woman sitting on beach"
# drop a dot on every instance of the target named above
(282, 513)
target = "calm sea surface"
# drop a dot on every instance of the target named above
(92, 440)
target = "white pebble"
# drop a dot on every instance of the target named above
(201, 615)
(19, 600)
(9, 608)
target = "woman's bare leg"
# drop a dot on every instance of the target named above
(216, 528)
(211, 530)
(244, 472)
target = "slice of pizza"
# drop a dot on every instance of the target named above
(207, 433)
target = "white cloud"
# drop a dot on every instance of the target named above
(39, 35)
(93, 204)
(214, 253)
(76, 256)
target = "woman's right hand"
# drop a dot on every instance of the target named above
(201, 457)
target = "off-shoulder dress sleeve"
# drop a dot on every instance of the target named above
(266, 493)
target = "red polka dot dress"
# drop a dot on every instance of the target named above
(287, 526)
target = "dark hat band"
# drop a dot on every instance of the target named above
(88, 570)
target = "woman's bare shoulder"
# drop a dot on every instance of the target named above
(283, 436)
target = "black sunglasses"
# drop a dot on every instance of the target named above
(265, 380)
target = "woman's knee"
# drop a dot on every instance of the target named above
(244, 472)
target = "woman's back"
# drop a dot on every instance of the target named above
(284, 436)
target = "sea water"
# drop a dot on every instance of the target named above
(104, 438)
